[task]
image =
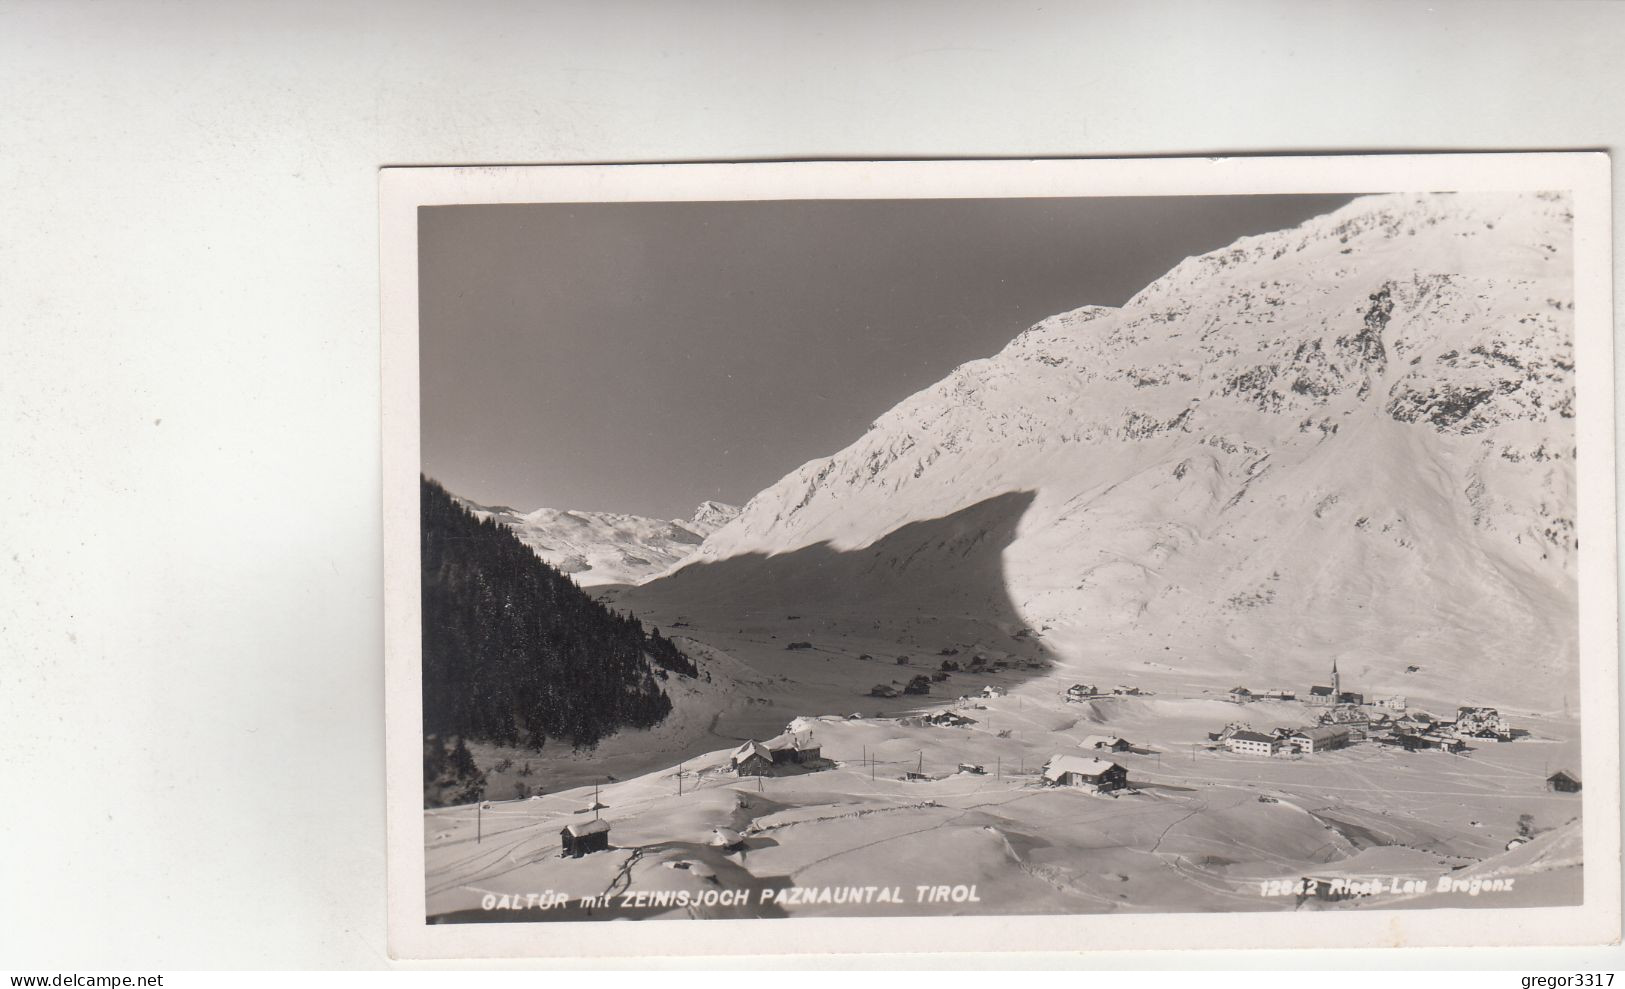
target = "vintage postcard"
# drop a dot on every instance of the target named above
(1000, 556)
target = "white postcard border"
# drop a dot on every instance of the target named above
(1584, 174)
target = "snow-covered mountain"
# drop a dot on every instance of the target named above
(1351, 439)
(607, 548)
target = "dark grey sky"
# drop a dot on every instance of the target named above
(644, 357)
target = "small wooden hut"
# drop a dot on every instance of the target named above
(1563, 781)
(585, 838)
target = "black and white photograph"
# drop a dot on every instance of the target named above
(835, 490)
(985, 556)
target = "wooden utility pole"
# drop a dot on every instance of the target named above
(479, 822)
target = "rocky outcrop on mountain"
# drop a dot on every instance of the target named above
(1354, 438)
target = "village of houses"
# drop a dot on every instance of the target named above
(835, 797)
(1348, 717)
(1340, 718)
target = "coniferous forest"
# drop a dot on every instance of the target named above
(515, 653)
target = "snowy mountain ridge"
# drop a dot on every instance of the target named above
(607, 547)
(1350, 438)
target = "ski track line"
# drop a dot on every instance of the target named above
(482, 873)
(1201, 806)
(477, 853)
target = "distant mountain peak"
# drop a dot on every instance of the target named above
(608, 547)
(710, 516)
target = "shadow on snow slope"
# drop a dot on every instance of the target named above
(947, 568)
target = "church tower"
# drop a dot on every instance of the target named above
(1337, 683)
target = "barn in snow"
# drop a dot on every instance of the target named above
(727, 839)
(585, 838)
(1098, 774)
(787, 751)
(1110, 743)
(751, 759)
(1563, 781)
(790, 749)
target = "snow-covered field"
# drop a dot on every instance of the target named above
(1194, 835)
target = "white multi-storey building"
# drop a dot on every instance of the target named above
(1252, 743)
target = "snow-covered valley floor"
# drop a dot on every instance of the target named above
(1201, 830)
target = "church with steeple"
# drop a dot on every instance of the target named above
(1326, 696)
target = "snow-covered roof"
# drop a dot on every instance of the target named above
(787, 740)
(725, 837)
(1252, 736)
(586, 828)
(1095, 741)
(1321, 734)
(749, 749)
(1060, 765)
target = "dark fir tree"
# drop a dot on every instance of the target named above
(515, 653)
